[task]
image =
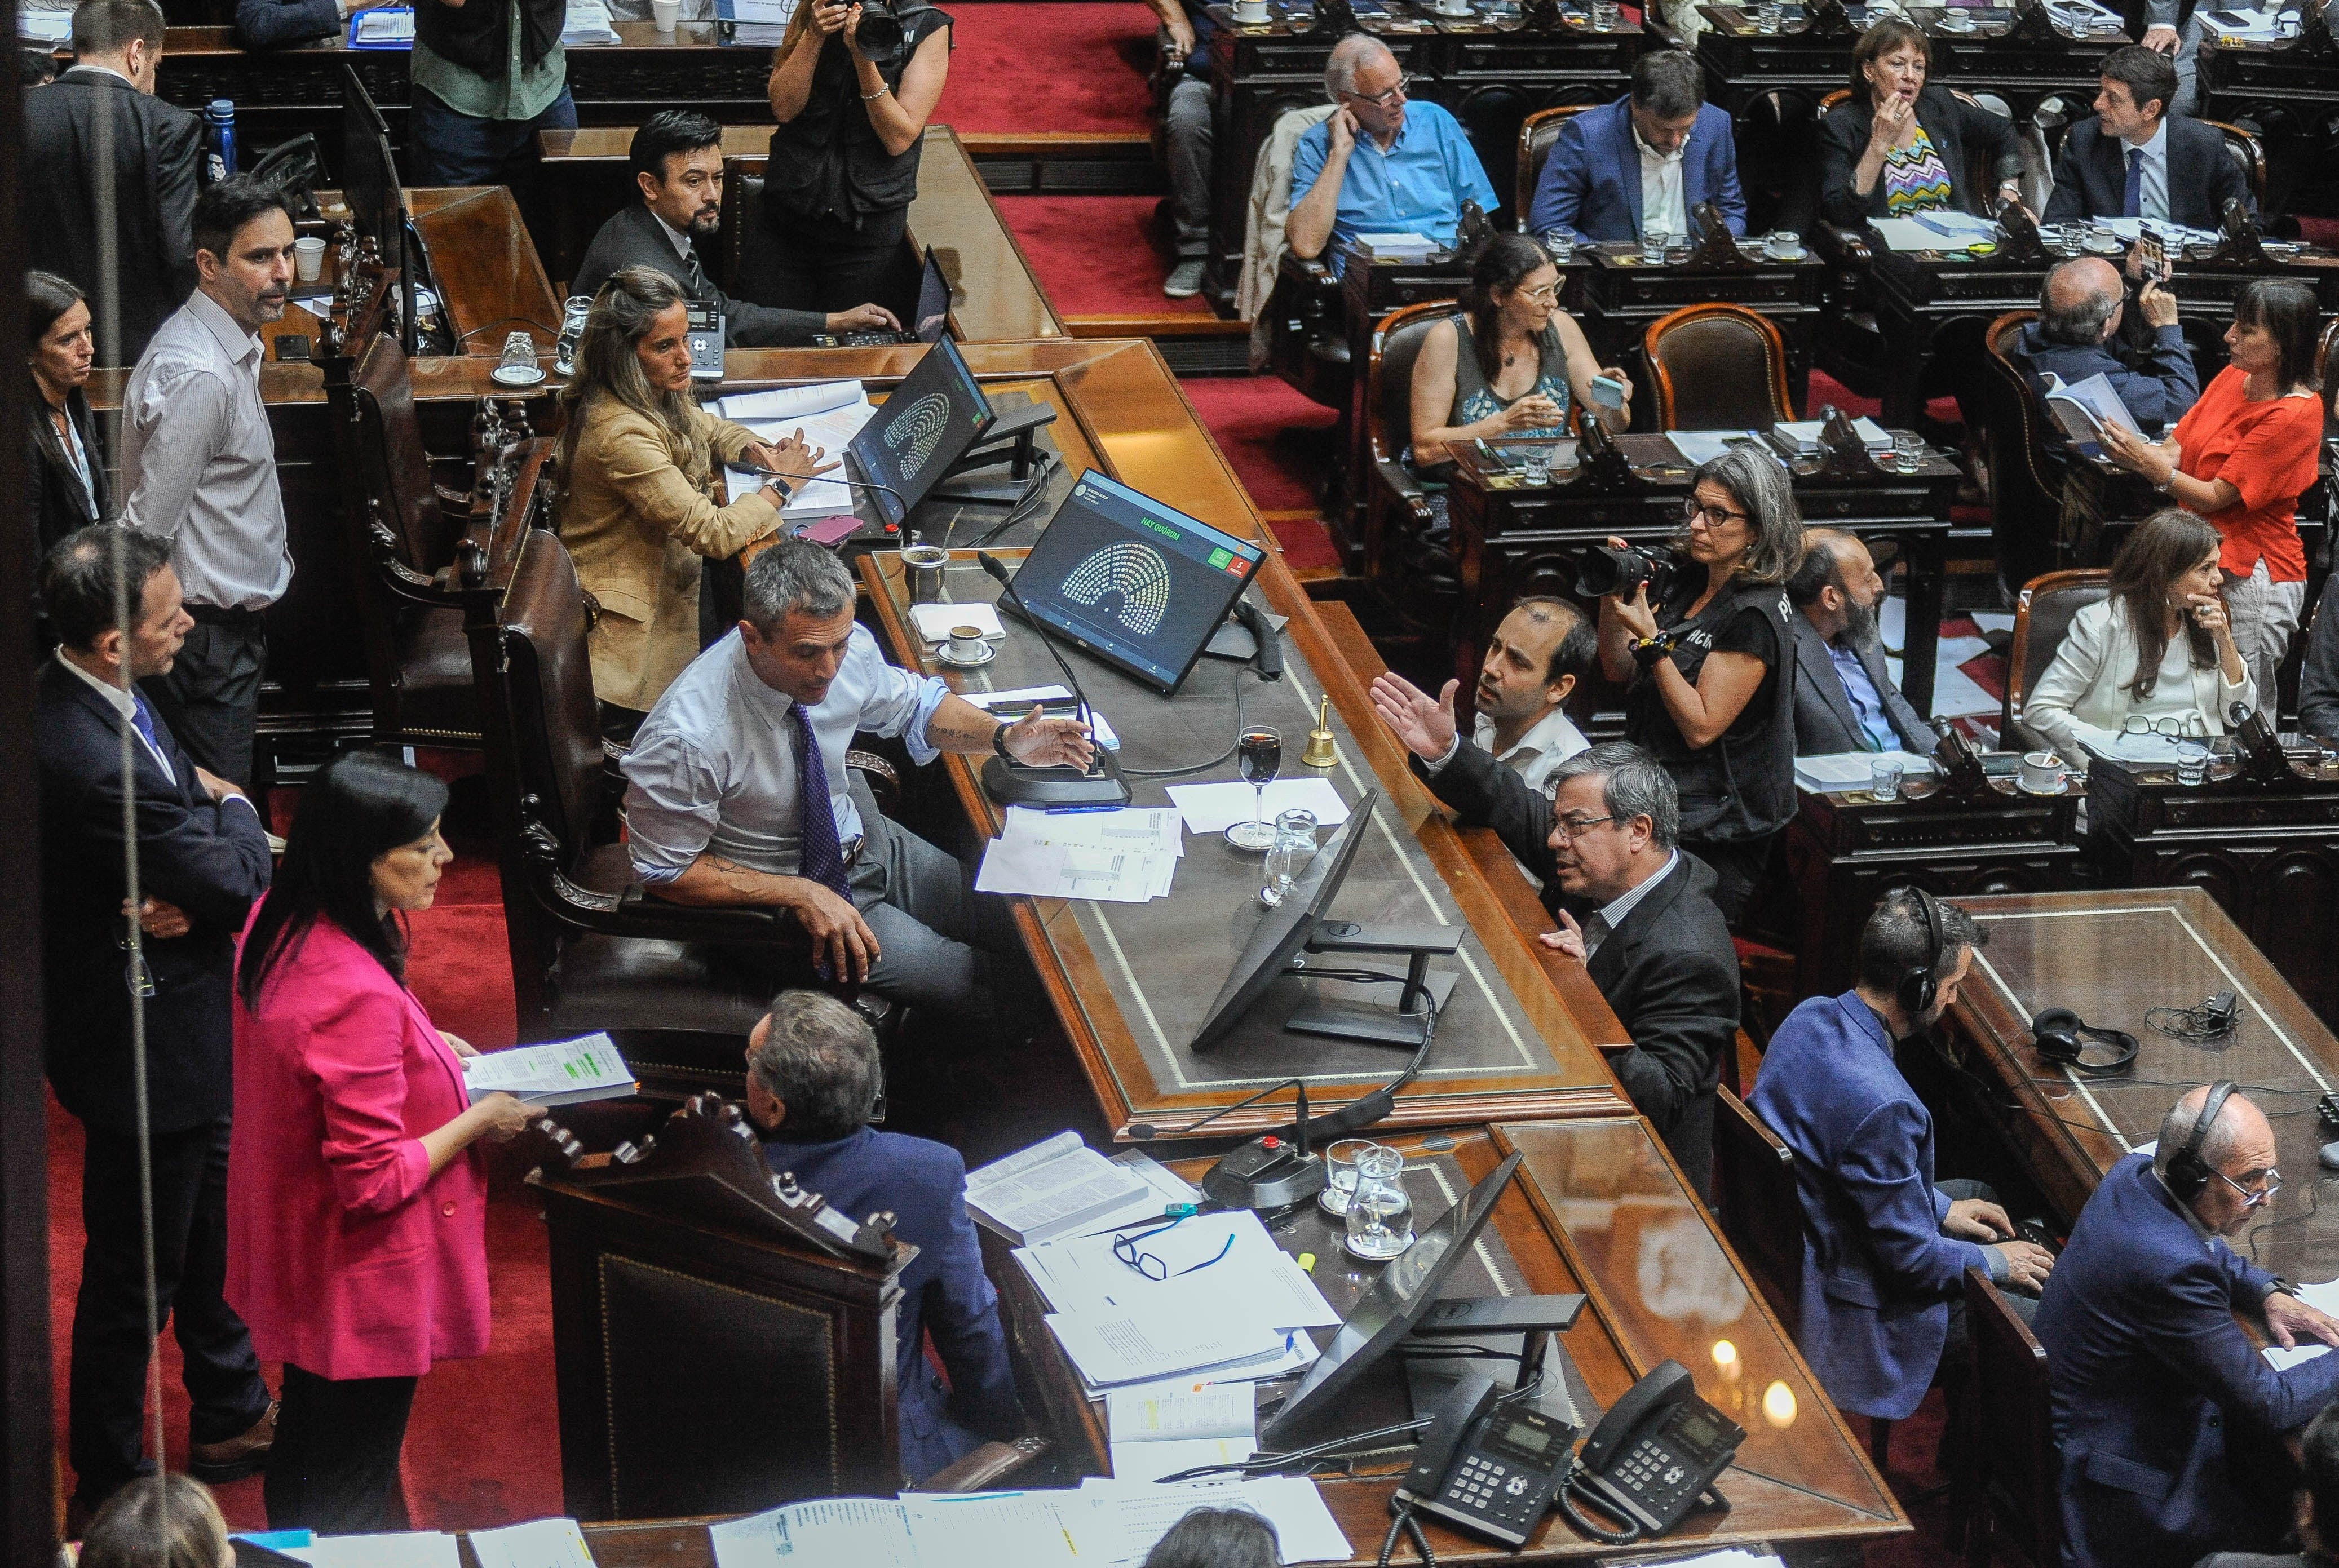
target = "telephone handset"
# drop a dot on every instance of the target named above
(1656, 1452)
(1487, 1469)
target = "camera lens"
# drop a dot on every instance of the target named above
(881, 29)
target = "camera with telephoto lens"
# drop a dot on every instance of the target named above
(1604, 571)
(881, 33)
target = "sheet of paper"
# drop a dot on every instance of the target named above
(1824, 771)
(994, 1529)
(1040, 870)
(1933, 231)
(1024, 696)
(1140, 1344)
(404, 1549)
(49, 26)
(386, 26)
(935, 622)
(1956, 695)
(1216, 807)
(781, 403)
(836, 1533)
(1171, 1187)
(829, 420)
(2129, 228)
(538, 1543)
(1142, 1514)
(2322, 1297)
(1805, 433)
(1704, 446)
(587, 21)
(1154, 829)
(2282, 1360)
(1163, 1429)
(541, 1072)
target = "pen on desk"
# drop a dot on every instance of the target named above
(1076, 810)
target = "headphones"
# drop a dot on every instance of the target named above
(1916, 989)
(2189, 1174)
(2059, 1036)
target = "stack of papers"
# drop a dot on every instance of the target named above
(1121, 855)
(1019, 699)
(1803, 435)
(384, 28)
(1828, 771)
(1704, 446)
(1160, 1429)
(2322, 1297)
(829, 413)
(935, 622)
(1400, 246)
(757, 18)
(1140, 1514)
(44, 27)
(1216, 807)
(538, 1543)
(588, 21)
(1039, 1193)
(1943, 230)
(402, 1549)
(566, 1072)
(2085, 407)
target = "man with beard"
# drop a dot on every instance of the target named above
(198, 467)
(676, 158)
(1885, 1247)
(1845, 700)
(1533, 662)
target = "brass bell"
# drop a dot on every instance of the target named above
(1322, 751)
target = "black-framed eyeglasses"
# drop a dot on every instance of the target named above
(2259, 1197)
(2174, 725)
(1382, 100)
(1568, 829)
(1149, 1264)
(1695, 511)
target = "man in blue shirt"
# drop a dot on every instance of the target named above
(1379, 166)
(2078, 335)
(1845, 700)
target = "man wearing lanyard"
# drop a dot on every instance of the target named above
(198, 462)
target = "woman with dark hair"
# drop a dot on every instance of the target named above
(69, 489)
(167, 1519)
(1709, 666)
(1217, 1538)
(2159, 649)
(1900, 145)
(2241, 457)
(636, 462)
(1508, 362)
(357, 1208)
(852, 87)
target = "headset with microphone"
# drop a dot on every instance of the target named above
(2187, 1174)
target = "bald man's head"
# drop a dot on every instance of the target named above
(2239, 1147)
(2080, 303)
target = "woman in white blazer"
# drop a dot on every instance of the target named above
(2158, 647)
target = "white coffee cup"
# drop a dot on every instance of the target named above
(309, 257)
(965, 644)
(2042, 772)
(1251, 10)
(666, 14)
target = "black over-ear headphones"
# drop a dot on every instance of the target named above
(2189, 1174)
(1917, 987)
(2060, 1035)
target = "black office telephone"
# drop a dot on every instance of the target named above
(1487, 1469)
(706, 335)
(1653, 1457)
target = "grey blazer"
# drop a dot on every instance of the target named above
(634, 238)
(1824, 722)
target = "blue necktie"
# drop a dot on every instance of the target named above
(819, 857)
(2132, 199)
(142, 717)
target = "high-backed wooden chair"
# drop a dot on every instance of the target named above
(1761, 1213)
(1419, 571)
(2248, 153)
(1538, 133)
(2026, 475)
(742, 202)
(1716, 367)
(2010, 1472)
(2042, 614)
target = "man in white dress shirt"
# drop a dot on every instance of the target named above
(1533, 662)
(199, 467)
(715, 815)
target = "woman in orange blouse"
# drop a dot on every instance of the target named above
(2241, 458)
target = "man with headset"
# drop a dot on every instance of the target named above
(2148, 1365)
(1885, 1246)
(815, 1086)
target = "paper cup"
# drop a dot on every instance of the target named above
(309, 257)
(666, 14)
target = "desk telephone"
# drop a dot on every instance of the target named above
(705, 336)
(1493, 1470)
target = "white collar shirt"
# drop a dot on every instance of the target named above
(1613, 914)
(1665, 204)
(1551, 741)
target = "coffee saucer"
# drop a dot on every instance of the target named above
(2061, 788)
(517, 375)
(942, 656)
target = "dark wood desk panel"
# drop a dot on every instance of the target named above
(2108, 956)
(490, 280)
(1618, 297)
(2289, 93)
(1740, 61)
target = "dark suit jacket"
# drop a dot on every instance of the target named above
(268, 23)
(2150, 1372)
(1591, 183)
(157, 150)
(2091, 175)
(59, 505)
(1958, 131)
(1824, 720)
(2318, 673)
(2156, 380)
(1670, 972)
(945, 1291)
(634, 238)
(210, 861)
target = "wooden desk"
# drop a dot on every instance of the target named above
(489, 278)
(1516, 540)
(2288, 90)
(2108, 956)
(2269, 855)
(1845, 850)
(1617, 297)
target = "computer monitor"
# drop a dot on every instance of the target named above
(1139, 585)
(1407, 1286)
(925, 425)
(371, 188)
(1277, 938)
(931, 324)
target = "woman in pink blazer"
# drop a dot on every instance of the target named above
(357, 1207)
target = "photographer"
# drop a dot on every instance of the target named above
(852, 87)
(1709, 666)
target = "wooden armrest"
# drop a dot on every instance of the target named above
(985, 1468)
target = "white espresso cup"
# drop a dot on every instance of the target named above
(965, 644)
(1251, 10)
(309, 257)
(2042, 772)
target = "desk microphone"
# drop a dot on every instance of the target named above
(1015, 784)
(1273, 1170)
(799, 481)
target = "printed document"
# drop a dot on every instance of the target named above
(1216, 807)
(565, 1072)
(1055, 1187)
(829, 413)
(1161, 1428)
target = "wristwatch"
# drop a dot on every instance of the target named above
(998, 744)
(1648, 650)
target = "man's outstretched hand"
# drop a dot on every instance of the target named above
(1424, 723)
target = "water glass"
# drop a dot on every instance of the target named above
(1767, 18)
(1380, 1212)
(518, 358)
(1560, 246)
(1293, 847)
(572, 330)
(1907, 452)
(1653, 249)
(1604, 14)
(1884, 779)
(2192, 764)
(1536, 467)
(1340, 1174)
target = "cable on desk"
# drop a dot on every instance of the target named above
(1268, 1464)
(1565, 1498)
(1403, 1520)
(1232, 746)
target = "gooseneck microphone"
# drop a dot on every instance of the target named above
(1145, 1132)
(796, 483)
(1016, 785)
(1274, 1170)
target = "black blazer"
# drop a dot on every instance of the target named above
(1958, 131)
(210, 860)
(59, 505)
(157, 150)
(270, 24)
(633, 237)
(1824, 722)
(2091, 176)
(1670, 972)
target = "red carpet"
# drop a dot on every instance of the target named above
(1091, 77)
(1098, 255)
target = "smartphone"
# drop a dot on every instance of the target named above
(1607, 392)
(2155, 255)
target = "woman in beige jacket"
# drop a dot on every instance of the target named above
(635, 461)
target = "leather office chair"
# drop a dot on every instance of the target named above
(1716, 367)
(1417, 566)
(2042, 614)
(1760, 1212)
(2038, 178)
(2009, 1472)
(1538, 133)
(401, 533)
(2248, 154)
(742, 202)
(2026, 478)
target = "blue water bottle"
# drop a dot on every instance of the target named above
(219, 139)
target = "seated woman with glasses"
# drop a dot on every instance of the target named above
(2157, 657)
(1710, 667)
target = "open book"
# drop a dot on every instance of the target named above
(1041, 1192)
(2085, 408)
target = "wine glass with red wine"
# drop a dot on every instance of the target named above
(1258, 752)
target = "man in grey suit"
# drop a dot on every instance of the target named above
(677, 158)
(1845, 700)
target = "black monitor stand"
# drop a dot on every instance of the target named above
(1008, 440)
(1346, 1010)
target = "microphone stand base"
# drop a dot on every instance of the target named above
(1256, 1177)
(1044, 787)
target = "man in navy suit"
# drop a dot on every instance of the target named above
(2137, 160)
(814, 1083)
(203, 861)
(2150, 1371)
(1885, 1246)
(1640, 164)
